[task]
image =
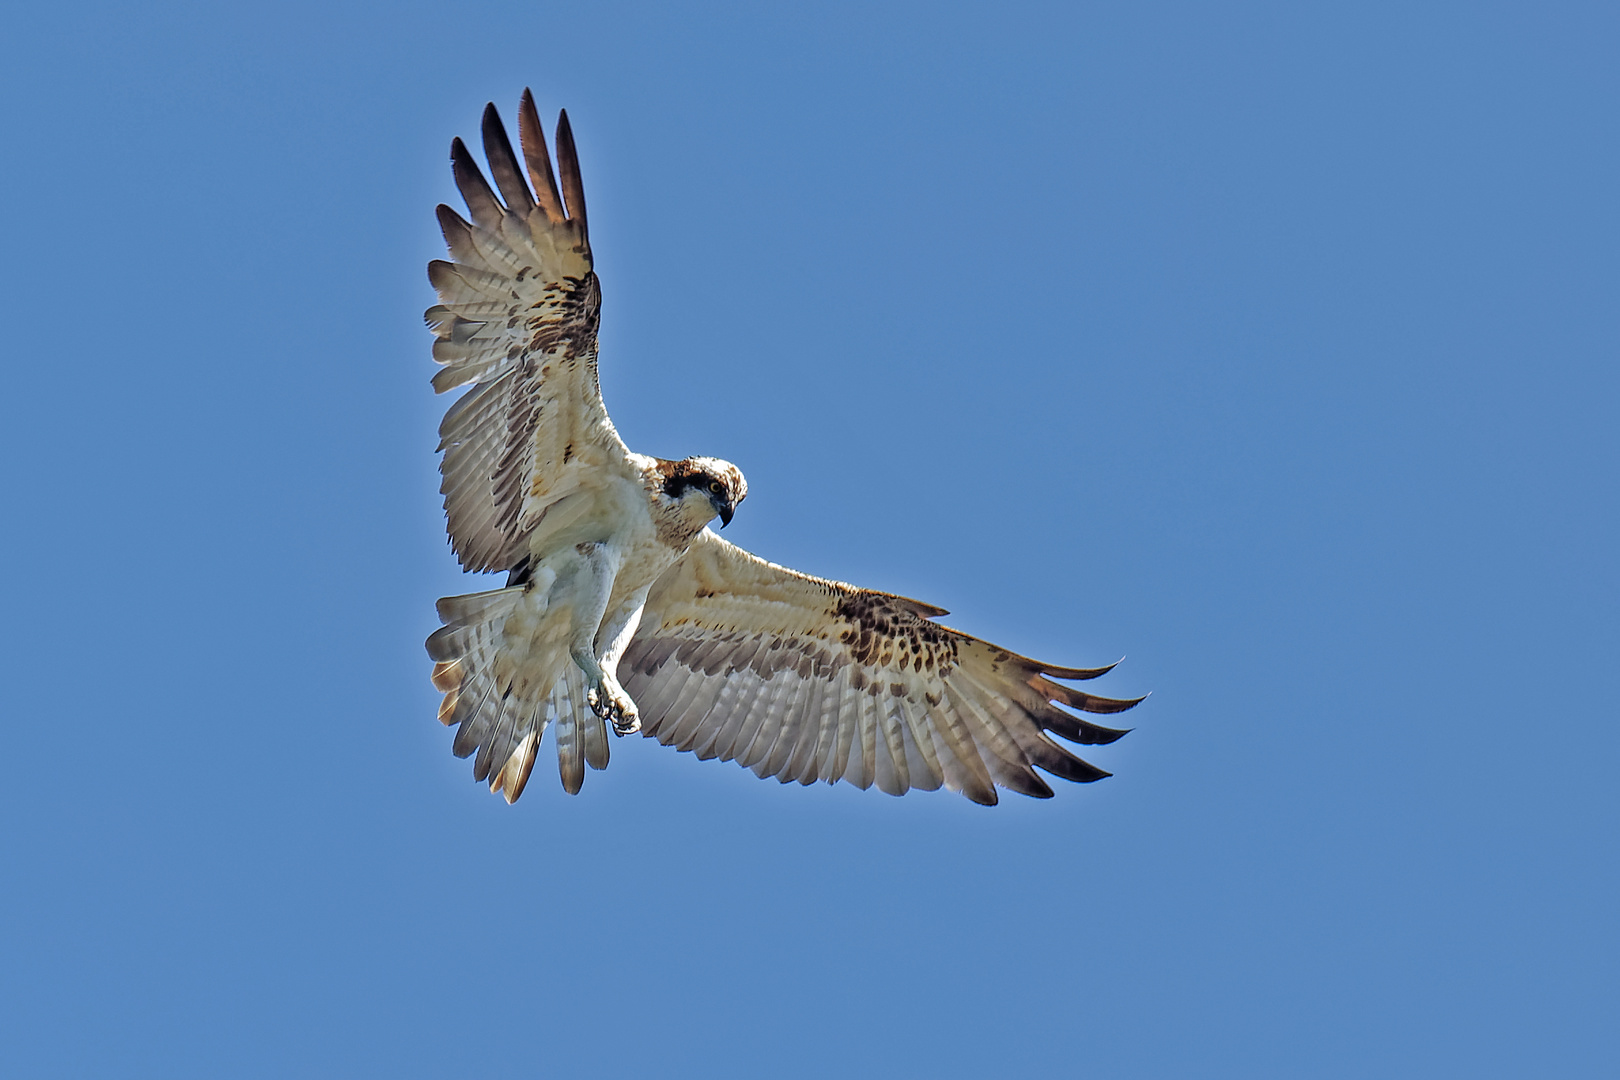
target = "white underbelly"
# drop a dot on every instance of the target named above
(613, 515)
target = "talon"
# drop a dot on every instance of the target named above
(623, 715)
(614, 708)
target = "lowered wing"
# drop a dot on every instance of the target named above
(805, 679)
(517, 318)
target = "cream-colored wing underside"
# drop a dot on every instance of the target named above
(805, 679)
(517, 317)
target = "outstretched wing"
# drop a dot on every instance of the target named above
(805, 679)
(517, 318)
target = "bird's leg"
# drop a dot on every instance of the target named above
(611, 641)
(609, 701)
(606, 697)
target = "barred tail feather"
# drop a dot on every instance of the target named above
(581, 734)
(504, 683)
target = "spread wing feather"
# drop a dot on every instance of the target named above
(805, 679)
(517, 318)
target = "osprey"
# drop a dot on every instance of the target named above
(621, 606)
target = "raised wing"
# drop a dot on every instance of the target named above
(517, 317)
(805, 679)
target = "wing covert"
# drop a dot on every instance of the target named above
(807, 679)
(517, 318)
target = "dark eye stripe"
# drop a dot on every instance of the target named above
(678, 485)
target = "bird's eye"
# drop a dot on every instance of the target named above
(715, 486)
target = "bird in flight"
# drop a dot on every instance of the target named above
(622, 607)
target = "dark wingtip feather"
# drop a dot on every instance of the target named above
(1076, 769)
(538, 159)
(1076, 730)
(1090, 703)
(1026, 782)
(986, 797)
(573, 188)
(1079, 674)
(456, 229)
(1093, 704)
(1102, 736)
(485, 208)
(503, 163)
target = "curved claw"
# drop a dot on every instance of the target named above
(614, 707)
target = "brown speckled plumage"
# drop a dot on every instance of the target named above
(735, 658)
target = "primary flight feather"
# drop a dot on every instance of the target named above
(621, 607)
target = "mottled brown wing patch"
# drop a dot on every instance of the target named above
(806, 679)
(518, 315)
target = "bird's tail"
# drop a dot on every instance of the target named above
(505, 680)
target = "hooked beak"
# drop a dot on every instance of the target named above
(725, 508)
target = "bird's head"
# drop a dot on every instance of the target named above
(702, 488)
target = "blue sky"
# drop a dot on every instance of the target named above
(1269, 345)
